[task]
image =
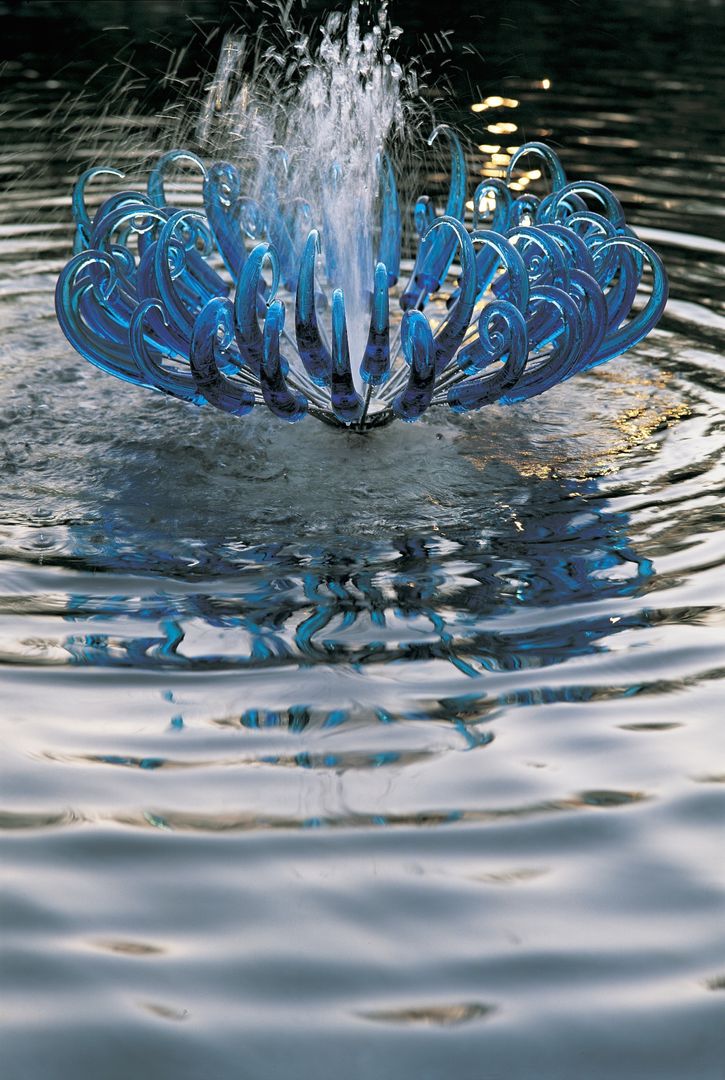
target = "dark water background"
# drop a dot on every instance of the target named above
(384, 758)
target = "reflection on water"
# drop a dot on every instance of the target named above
(402, 600)
(405, 748)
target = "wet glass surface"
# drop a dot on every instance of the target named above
(397, 756)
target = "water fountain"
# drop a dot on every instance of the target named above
(285, 289)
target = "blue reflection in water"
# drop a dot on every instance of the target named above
(307, 606)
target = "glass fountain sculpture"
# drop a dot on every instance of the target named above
(238, 305)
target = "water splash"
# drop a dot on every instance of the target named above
(308, 125)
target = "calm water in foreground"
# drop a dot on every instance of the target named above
(386, 758)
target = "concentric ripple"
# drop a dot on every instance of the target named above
(392, 757)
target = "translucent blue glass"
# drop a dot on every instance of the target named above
(375, 365)
(310, 346)
(499, 307)
(347, 404)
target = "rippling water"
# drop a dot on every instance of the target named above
(383, 757)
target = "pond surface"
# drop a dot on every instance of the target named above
(386, 757)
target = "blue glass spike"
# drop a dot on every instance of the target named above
(106, 308)
(561, 205)
(419, 351)
(273, 202)
(156, 190)
(541, 150)
(81, 216)
(119, 198)
(390, 227)
(206, 280)
(126, 287)
(331, 183)
(457, 192)
(424, 214)
(592, 304)
(563, 208)
(504, 253)
(593, 228)
(633, 331)
(82, 295)
(507, 255)
(502, 335)
(148, 289)
(170, 267)
(449, 335)
(213, 334)
(222, 191)
(347, 404)
(503, 201)
(252, 220)
(544, 260)
(285, 403)
(524, 210)
(249, 335)
(148, 355)
(575, 251)
(150, 236)
(561, 361)
(141, 216)
(486, 259)
(313, 353)
(620, 296)
(375, 365)
(300, 217)
(195, 281)
(415, 295)
(431, 265)
(473, 356)
(615, 262)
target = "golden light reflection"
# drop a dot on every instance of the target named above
(639, 407)
(500, 159)
(502, 128)
(486, 205)
(495, 102)
(489, 148)
(546, 84)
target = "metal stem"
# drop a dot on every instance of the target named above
(366, 406)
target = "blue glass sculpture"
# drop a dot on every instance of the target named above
(226, 306)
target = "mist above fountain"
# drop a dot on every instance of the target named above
(284, 291)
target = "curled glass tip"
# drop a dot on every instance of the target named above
(239, 305)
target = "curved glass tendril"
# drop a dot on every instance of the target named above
(192, 303)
